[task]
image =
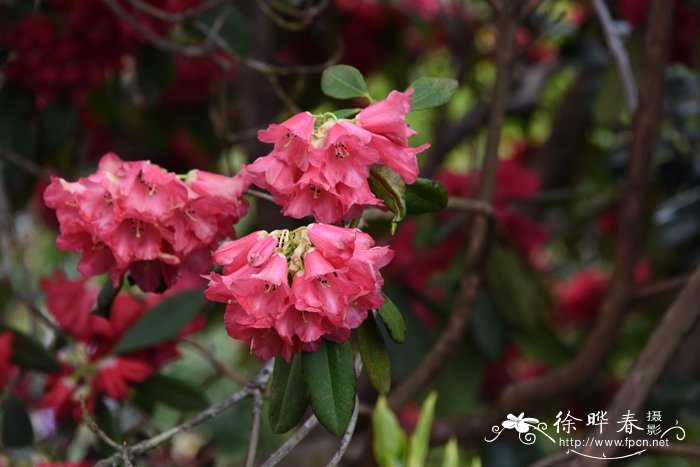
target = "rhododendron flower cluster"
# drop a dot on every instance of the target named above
(136, 217)
(88, 369)
(320, 165)
(286, 291)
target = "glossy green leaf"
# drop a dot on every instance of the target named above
(451, 455)
(107, 422)
(288, 399)
(487, 328)
(420, 439)
(431, 92)
(393, 320)
(173, 392)
(343, 82)
(375, 357)
(17, 428)
(388, 186)
(29, 354)
(106, 298)
(345, 113)
(389, 441)
(424, 196)
(162, 322)
(329, 374)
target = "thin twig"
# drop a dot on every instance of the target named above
(659, 288)
(11, 265)
(347, 436)
(235, 137)
(658, 352)
(619, 54)
(469, 205)
(268, 68)
(260, 194)
(156, 39)
(292, 442)
(275, 17)
(254, 439)
(28, 165)
(181, 17)
(482, 226)
(95, 428)
(209, 356)
(620, 294)
(257, 383)
(282, 94)
(677, 450)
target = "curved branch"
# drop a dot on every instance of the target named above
(257, 383)
(482, 225)
(617, 49)
(620, 294)
(292, 442)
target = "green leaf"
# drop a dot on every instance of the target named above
(343, 82)
(542, 344)
(388, 439)
(388, 186)
(516, 289)
(155, 72)
(329, 374)
(375, 357)
(345, 113)
(288, 398)
(234, 30)
(487, 327)
(106, 298)
(17, 428)
(425, 196)
(162, 322)
(420, 440)
(29, 354)
(393, 320)
(451, 454)
(107, 423)
(431, 92)
(173, 392)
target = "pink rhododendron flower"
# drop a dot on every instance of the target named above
(319, 166)
(136, 217)
(285, 291)
(88, 367)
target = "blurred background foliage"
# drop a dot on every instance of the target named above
(77, 81)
